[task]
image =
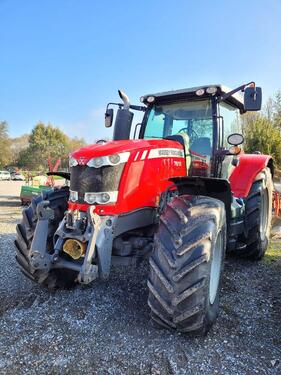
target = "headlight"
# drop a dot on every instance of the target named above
(72, 162)
(101, 198)
(96, 162)
(112, 160)
(90, 198)
(105, 197)
(73, 196)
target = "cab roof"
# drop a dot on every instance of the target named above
(173, 95)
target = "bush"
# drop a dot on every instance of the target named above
(261, 135)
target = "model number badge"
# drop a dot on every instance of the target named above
(177, 163)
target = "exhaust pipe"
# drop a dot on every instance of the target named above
(125, 99)
(74, 248)
(124, 119)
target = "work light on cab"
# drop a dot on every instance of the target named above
(200, 92)
(150, 99)
(211, 90)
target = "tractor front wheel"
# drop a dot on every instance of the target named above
(186, 264)
(56, 278)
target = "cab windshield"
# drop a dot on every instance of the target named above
(192, 118)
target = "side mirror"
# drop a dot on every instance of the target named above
(108, 118)
(252, 98)
(235, 139)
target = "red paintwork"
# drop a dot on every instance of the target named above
(114, 147)
(143, 179)
(244, 174)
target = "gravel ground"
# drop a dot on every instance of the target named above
(10, 189)
(105, 328)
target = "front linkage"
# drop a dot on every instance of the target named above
(97, 233)
(58, 247)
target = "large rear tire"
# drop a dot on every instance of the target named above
(258, 216)
(56, 278)
(186, 264)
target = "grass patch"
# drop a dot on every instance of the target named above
(273, 253)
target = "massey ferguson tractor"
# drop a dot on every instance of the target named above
(176, 188)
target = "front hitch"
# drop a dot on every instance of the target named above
(100, 241)
(98, 234)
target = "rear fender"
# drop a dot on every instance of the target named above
(246, 172)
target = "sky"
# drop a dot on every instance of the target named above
(62, 61)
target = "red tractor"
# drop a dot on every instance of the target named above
(181, 193)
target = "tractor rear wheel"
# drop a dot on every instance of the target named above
(258, 215)
(186, 264)
(56, 278)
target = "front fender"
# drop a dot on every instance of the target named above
(243, 176)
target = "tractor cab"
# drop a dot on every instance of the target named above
(189, 122)
(200, 118)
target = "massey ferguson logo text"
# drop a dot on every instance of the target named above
(165, 152)
(169, 153)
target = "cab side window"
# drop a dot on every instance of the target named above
(155, 125)
(231, 122)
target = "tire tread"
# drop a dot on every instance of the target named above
(179, 273)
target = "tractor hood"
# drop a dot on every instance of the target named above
(125, 175)
(83, 155)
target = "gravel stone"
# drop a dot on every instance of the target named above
(104, 328)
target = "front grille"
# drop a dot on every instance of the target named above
(84, 179)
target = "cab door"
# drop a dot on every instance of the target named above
(229, 123)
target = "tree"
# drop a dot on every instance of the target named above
(268, 109)
(50, 140)
(277, 110)
(44, 142)
(72, 145)
(261, 135)
(5, 145)
(75, 143)
(18, 144)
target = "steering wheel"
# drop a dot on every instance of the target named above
(192, 134)
(101, 141)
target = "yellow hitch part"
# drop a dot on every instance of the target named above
(74, 248)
